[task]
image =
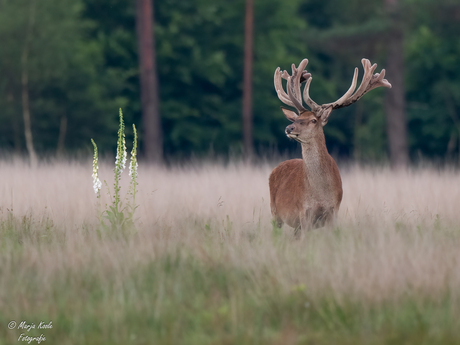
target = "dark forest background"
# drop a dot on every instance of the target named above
(66, 66)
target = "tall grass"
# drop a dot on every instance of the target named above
(207, 267)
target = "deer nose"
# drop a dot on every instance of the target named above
(289, 129)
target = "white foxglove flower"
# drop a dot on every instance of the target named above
(133, 169)
(125, 154)
(121, 162)
(97, 185)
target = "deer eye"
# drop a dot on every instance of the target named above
(313, 121)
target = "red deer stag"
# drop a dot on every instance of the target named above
(306, 193)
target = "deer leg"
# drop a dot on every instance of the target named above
(304, 226)
(325, 217)
(279, 222)
(305, 221)
(297, 232)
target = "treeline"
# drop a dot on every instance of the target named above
(66, 66)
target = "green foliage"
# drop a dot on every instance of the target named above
(83, 64)
(178, 298)
(66, 76)
(200, 49)
(434, 88)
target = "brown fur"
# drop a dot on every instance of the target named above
(306, 193)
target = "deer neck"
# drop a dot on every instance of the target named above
(317, 166)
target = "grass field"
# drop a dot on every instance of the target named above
(206, 265)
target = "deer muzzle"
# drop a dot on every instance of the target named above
(289, 129)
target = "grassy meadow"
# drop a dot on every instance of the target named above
(206, 266)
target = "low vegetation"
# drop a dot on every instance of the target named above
(206, 265)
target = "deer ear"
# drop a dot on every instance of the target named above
(290, 115)
(323, 115)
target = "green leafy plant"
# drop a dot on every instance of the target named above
(120, 218)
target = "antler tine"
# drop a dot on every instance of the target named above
(378, 80)
(368, 72)
(303, 76)
(292, 92)
(370, 81)
(293, 85)
(306, 96)
(279, 88)
(350, 90)
(293, 97)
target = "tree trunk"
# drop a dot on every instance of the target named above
(61, 138)
(16, 125)
(247, 84)
(395, 105)
(153, 138)
(26, 115)
(25, 90)
(450, 105)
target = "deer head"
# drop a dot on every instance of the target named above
(308, 123)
